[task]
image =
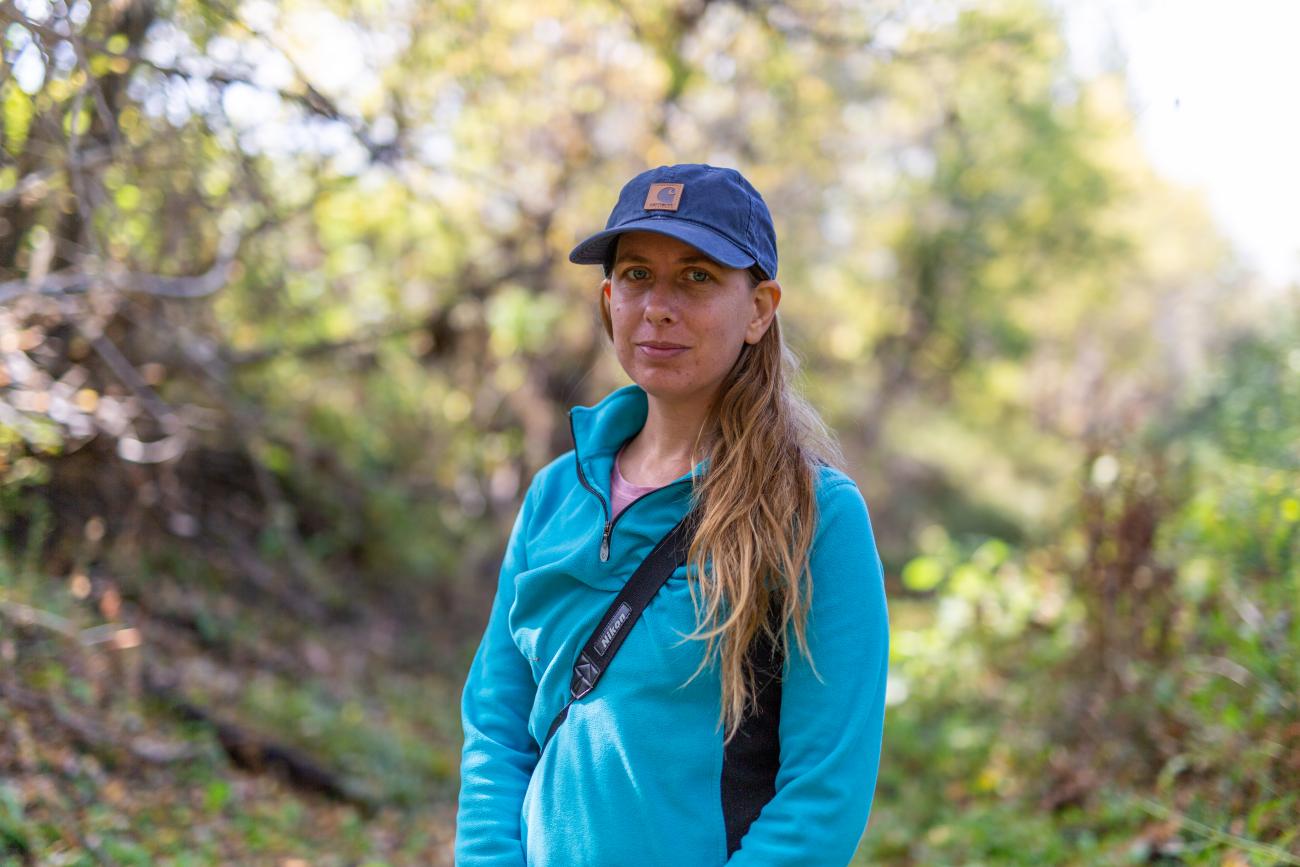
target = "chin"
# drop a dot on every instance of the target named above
(665, 384)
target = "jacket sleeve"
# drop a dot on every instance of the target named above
(499, 754)
(831, 731)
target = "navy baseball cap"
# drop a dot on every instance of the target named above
(712, 208)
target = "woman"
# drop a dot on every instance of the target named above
(684, 754)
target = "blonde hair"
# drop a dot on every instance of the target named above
(757, 511)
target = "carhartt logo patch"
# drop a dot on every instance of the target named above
(663, 197)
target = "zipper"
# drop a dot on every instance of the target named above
(609, 523)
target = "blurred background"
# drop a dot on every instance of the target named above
(287, 326)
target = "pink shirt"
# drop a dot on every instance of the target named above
(622, 491)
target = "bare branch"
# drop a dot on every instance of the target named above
(311, 99)
(91, 159)
(194, 286)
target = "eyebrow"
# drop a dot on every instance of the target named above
(684, 260)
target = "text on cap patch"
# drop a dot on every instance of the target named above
(663, 197)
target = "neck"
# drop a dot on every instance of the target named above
(662, 451)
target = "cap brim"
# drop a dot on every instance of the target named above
(718, 247)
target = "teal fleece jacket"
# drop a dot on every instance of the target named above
(632, 776)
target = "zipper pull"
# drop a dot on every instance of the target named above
(604, 542)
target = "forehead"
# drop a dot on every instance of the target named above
(645, 245)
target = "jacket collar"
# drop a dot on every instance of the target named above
(600, 430)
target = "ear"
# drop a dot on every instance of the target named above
(767, 297)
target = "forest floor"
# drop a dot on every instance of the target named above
(193, 722)
(163, 722)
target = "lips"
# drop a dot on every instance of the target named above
(660, 349)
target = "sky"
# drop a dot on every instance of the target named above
(1214, 86)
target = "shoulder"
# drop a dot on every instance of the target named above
(844, 559)
(829, 476)
(554, 471)
(551, 478)
(841, 508)
(833, 484)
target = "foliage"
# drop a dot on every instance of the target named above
(286, 325)
(1001, 705)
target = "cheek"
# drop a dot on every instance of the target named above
(623, 318)
(623, 311)
(727, 319)
(716, 318)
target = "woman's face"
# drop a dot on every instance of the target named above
(666, 291)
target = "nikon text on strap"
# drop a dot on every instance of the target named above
(623, 612)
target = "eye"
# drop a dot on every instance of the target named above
(698, 275)
(636, 273)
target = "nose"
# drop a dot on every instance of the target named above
(660, 303)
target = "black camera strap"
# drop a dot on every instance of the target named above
(623, 612)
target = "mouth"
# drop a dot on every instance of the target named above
(657, 349)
